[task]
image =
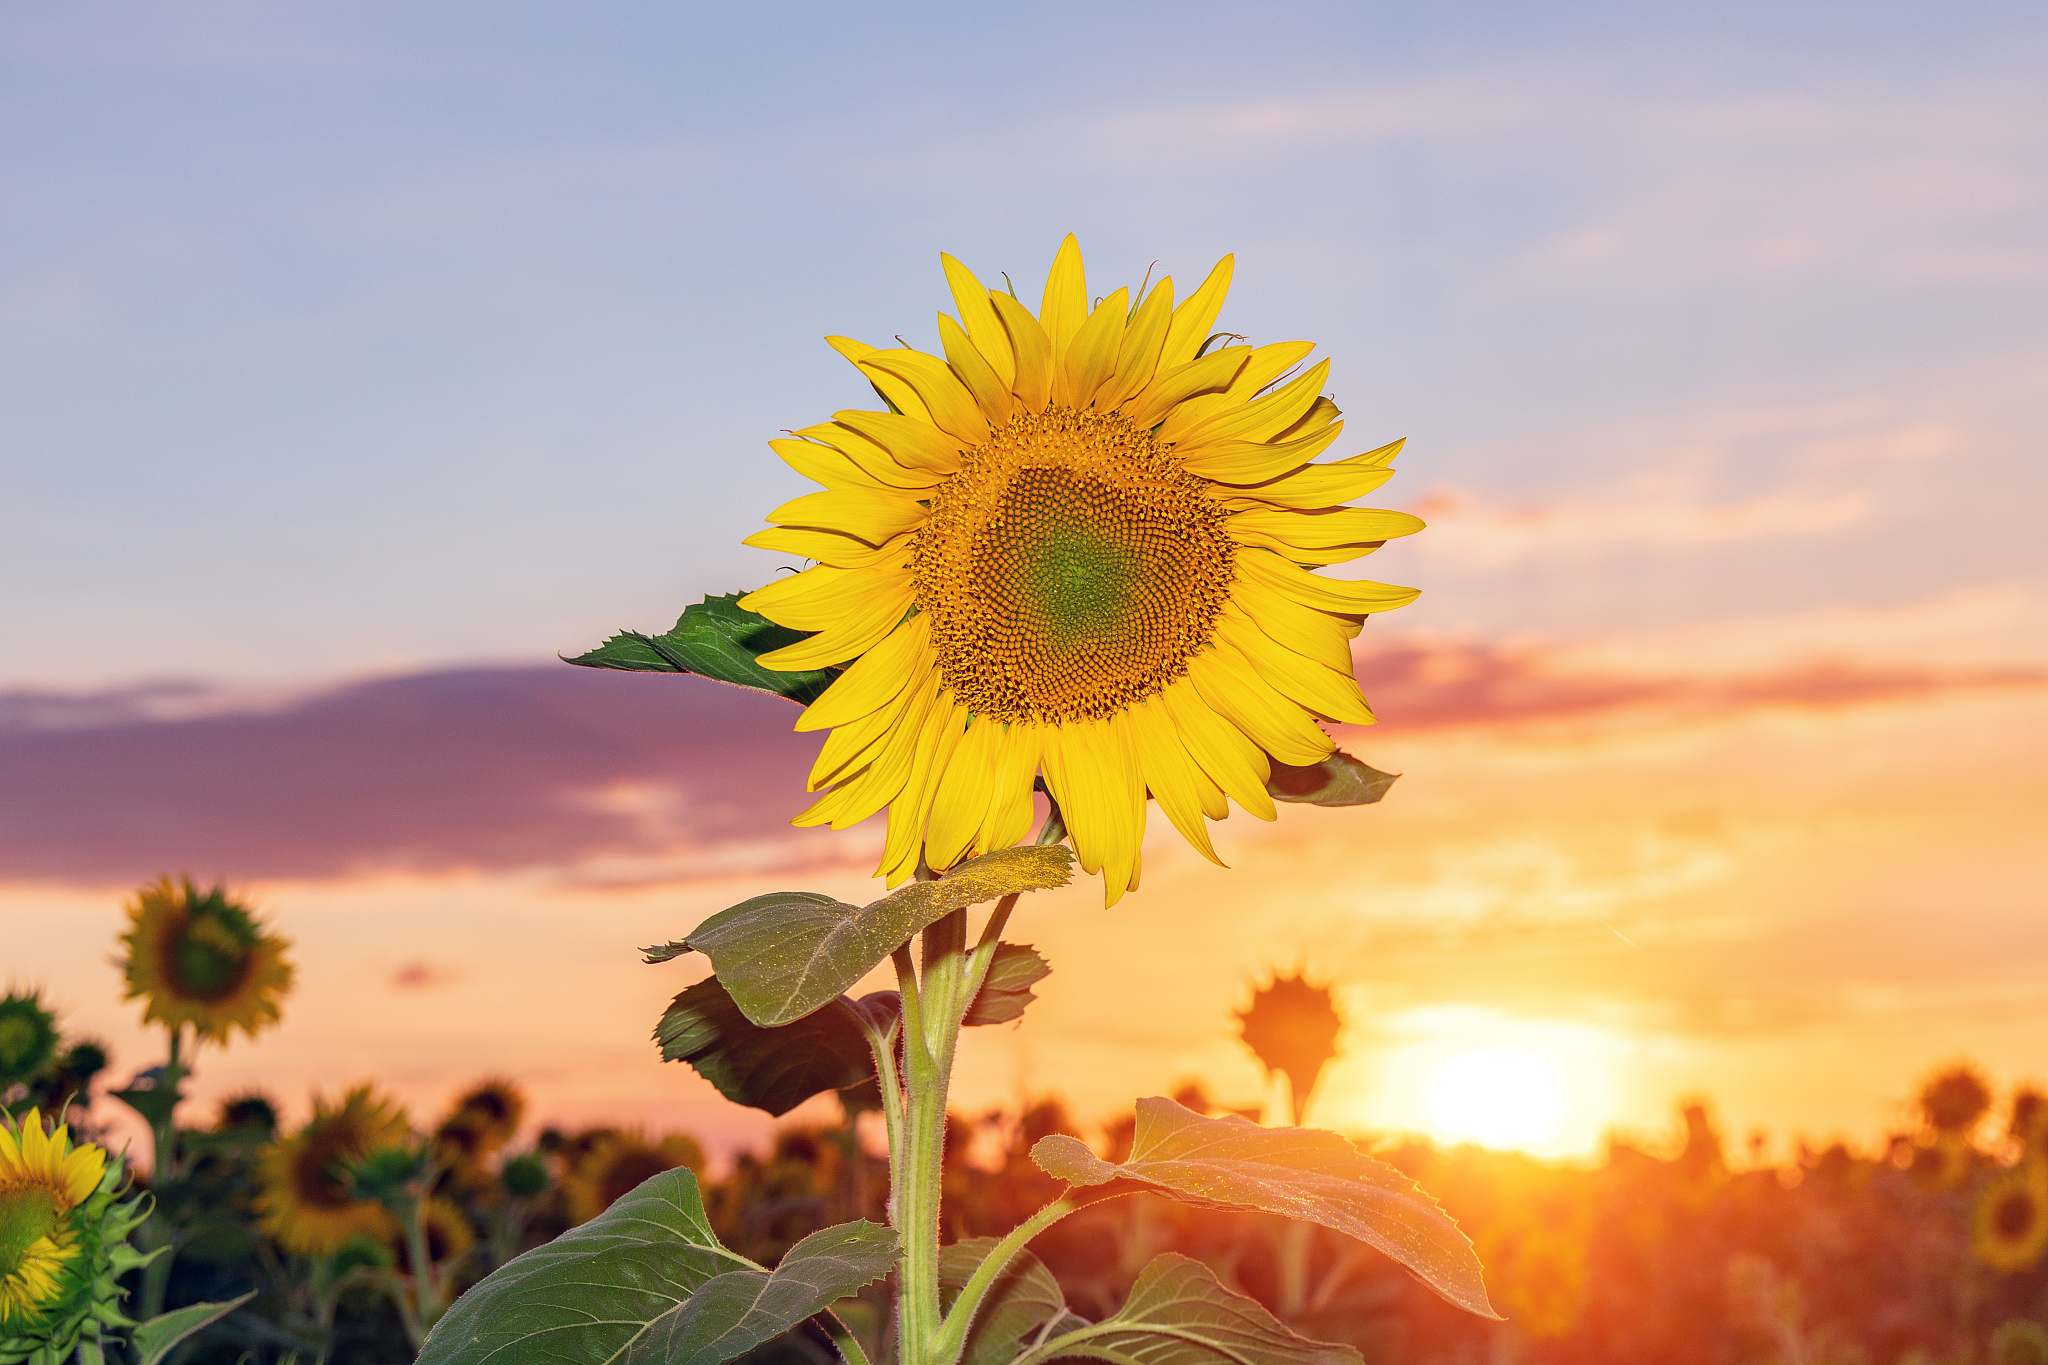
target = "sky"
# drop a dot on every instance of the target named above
(357, 360)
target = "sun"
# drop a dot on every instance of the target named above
(1500, 1096)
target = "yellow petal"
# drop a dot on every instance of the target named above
(832, 547)
(1261, 419)
(848, 459)
(1317, 634)
(1033, 349)
(1316, 485)
(1193, 319)
(1091, 356)
(953, 409)
(1253, 462)
(991, 391)
(1010, 809)
(1170, 774)
(1065, 305)
(910, 441)
(1224, 752)
(1214, 373)
(1137, 360)
(892, 389)
(817, 597)
(909, 813)
(1324, 527)
(1232, 687)
(863, 626)
(886, 774)
(963, 792)
(875, 678)
(1263, 365)
(1122, 861)
(978, 313)
(1326, 692)
(875, 515)
(1340, 595)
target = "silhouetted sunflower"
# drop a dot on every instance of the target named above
(43, 1180)
(304, 1200)
(1292, 1027)
(201, 958)
(485, 1117)
(2030, 1117)
(1954, 1099)
(28, 1037)
(618, 1162)
(1943, 1164)
(2010, 1226)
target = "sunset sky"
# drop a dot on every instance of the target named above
(356, 359)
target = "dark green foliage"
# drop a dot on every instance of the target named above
(717, 640)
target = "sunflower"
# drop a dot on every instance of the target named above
(1078, 546)
(449, 1234)
(2010, 1226)
(617, 1163)
(43, 1180)
(485, 1117)
(1291, 1026)
(202, 959)
(304, 1200)
(28, 1037)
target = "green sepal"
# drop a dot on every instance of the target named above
(154, 1339)
(788, 953)
(719, 640)
(1019, 1305)
(1304, 1173)
(597, 1292)
(1178, 1313)
(1339, 780)
(775, 1069)
(1006, 990)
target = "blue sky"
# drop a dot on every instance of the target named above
(379, 342)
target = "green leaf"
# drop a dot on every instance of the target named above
(1006, 990)
(154, 1339)
(1229, 1163)
(740, 1309)
(596, 1293)
(154, 1103)
(1179, 1314)
(1339, 780)
(1024, 1298)
(775, 1069)
(786, 954)
(717, 640)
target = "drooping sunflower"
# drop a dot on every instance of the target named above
(201, 958)
(43, 1181)
(2009, 1228)
(304, 1200)
(1079, 545)
(618, 1162)
(28, 1037)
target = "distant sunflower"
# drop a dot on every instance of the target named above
(43, 1180)
(1292, 1026)
(201, 958)
(304, 1198)
(1081, 544)
(486, 1115)
(617, 1163)
(449, 1234)
(28, 1037)
(2010, 1226)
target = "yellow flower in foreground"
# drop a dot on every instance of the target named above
(1081, 545)
(304, 1199)
(200, 958)
(2010, 1226)
(42, 1179)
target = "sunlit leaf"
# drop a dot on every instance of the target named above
(737, 1311)
(1024, 1298)
(788, 953)
(154, 1339)
(1006, 990)
(717, 640)
(1339, 780)
(595, 1293)
(775, 1069)
(1319, 1177)
(1179, 1314)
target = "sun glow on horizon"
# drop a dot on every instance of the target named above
(1501, 1096)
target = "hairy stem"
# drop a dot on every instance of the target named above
(952, 1338)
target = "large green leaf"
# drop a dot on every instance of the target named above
(1339, 780)
(594, 1294)
(1179, 1314)
(1229, 1163)
(1006, 990)
(788, 953)
(1024, 1298)
(775, 1069)
(154, 1339)
(718, 640)
(737, 1311)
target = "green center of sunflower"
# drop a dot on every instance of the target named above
(28, 1213)
(209, 959)
(1070, 568)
